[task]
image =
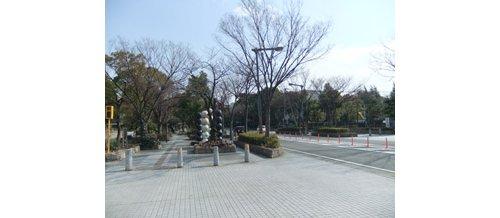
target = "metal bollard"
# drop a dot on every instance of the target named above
(180, 160)
(128, 160)
(247, 153)
(216, 156)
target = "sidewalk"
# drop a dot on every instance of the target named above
(291, 185)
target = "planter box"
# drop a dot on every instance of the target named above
(120, 154)
(260, 150)
(136, 149)
(115, 155)
(207, 150)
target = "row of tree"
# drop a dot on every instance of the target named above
(336, 102)
(159, 86)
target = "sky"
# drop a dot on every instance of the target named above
(359, 27)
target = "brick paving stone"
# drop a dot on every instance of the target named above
(292, 185)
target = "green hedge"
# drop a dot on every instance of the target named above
(253, 137)
(332, 130)
(288, 129)
(114, 144)
(148, 142)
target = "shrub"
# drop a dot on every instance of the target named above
(255, 138)
(288, 129)
(148, 142)
(332, 130)
(114, 144)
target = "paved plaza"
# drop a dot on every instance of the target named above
(293, 185)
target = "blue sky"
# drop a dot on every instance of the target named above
(359, 28)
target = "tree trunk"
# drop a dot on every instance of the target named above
(268, 119)
(334, 110)
(118, 128)
(246, 110)
(142, 131)
(166, 132)
(231, 127)
(160, 129)
(259, 110)
(328, 114)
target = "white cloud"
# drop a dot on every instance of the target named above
(239, 11)
(353, 62)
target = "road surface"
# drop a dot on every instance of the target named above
(376, 156)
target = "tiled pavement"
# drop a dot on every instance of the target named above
(289, 186)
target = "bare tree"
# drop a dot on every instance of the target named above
(161, 111)
(175, 60)
(317, 84)
(144, 72)
(213, 69)
(345, 85)
(236, 85)
(384, 62)
(264, 28)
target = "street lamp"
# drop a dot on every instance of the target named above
(259, 101)
(279, 48)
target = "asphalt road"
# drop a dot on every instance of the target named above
(379, 140)
(380, 160)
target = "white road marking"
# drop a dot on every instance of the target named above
(339, 160)
(345, 146)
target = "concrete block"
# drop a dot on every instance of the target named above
(129, 159)
(180, 160)
(216, 156)
(247, 153)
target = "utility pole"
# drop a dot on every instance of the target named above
(259, 94)
(259, 99)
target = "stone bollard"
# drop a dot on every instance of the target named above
(180, 160)
(128, 159)
(216, 156)
(247, 153)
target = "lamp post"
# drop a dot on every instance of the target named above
(259, 98)
(301, 102)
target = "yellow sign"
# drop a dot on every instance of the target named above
(109, 112)
(361, 115)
